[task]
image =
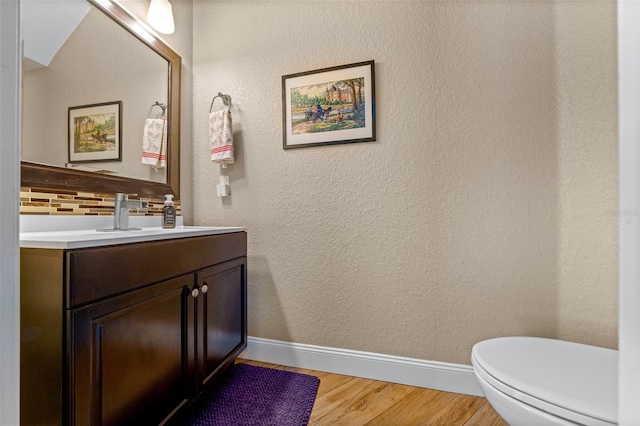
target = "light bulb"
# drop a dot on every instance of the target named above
(160, 16)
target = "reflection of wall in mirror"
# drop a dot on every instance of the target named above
(92, 68)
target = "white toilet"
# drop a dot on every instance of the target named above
(535, 381)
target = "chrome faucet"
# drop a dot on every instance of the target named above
(121, 211)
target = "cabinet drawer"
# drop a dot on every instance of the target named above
(95, 273)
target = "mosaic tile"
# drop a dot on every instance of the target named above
(62, 202)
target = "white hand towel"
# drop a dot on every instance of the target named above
(154, 142)
(221, 134)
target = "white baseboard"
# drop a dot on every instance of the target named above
(388, 368)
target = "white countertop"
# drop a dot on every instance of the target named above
(93, 238)
(35, 235)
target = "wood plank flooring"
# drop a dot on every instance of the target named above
(353, 401)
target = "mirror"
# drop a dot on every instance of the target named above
(49, 93)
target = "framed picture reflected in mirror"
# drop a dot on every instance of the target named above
(95, 132)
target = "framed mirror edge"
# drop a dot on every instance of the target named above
(44, 176)
(53, 177)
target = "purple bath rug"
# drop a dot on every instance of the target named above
(250, 395)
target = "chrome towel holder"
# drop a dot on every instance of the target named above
(158, 104)
(226, 100)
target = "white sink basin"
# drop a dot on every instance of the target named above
(92, 238)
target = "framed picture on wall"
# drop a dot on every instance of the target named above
(95, 132)
(329, 106)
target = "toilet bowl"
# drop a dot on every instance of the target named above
(538, 382)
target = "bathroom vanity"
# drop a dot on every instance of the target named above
(128, 331)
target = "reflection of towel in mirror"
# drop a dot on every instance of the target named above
(221, 133)
(154, 142)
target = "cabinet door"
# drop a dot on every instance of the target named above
(221, 312)
(129, 359)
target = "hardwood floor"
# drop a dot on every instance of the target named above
(346, 400)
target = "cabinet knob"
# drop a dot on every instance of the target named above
(204, 289)
(195, 292)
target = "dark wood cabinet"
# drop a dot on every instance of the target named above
(220, 314)
(133, 333)
(130, 357)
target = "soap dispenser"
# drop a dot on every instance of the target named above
(168, 212)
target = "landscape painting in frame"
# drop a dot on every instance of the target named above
(329, 106)
(95, 132)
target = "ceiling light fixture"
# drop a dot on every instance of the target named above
(160, 16)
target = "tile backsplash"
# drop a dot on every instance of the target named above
(62, 202)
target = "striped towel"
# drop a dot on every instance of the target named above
(221, 137)
(154, 142)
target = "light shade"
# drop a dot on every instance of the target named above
(160, 16)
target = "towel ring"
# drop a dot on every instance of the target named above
(158, 104)
(226, 100)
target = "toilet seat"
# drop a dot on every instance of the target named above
(572, 381)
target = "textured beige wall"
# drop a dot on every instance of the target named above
(588, 163)
(483, 208)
